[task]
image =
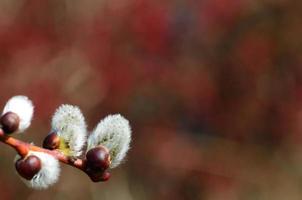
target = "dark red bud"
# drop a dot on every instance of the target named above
(28, 167)
(106, 176)
(51, 141)
(97, 176)
(98, 158)
(10, 122)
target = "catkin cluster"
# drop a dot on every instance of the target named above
(106, 146)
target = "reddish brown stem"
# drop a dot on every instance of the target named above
(23, 148)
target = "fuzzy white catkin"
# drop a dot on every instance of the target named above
(69, 123)
(23, 107)
(48, 174)
(113, 132)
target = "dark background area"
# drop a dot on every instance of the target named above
(212, 89)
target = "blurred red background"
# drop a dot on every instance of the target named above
(212, 89)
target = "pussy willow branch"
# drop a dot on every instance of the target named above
(23, 148)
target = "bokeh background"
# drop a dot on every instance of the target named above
(212, 88)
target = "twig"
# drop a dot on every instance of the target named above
(23, 148)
